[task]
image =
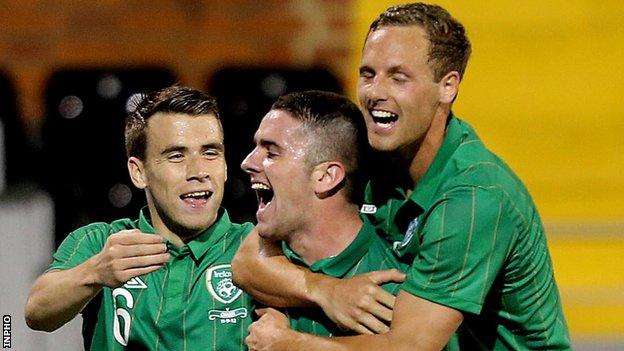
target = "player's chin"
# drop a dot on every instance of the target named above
(264, 231)
(199, 221)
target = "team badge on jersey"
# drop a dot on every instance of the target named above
(220, 285)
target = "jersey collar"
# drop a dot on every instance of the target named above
(197, 247)
(339, 265)
(426, 189)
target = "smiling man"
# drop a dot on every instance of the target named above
(309, 154)
(162, 281)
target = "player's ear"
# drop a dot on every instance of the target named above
(449, 86)
(328, 178)
(136, 169)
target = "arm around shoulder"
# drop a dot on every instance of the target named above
(358, 303)
(261, 269)
(419, 325)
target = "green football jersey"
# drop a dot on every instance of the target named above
(190, 304)
(476, 243)
(367, 252)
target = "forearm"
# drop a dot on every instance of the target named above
(295, 341)
(419, 325)
(290, 340)
(58, 296)
(271, 278)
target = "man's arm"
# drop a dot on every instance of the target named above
(418, 324)
(357, 303)
(57, 296)
(261, 269)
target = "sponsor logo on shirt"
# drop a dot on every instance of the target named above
(220, 285)
(227, 315)
(135, 283)
(368, 209)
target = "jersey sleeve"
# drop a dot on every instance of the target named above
(79, 246)
(463, 245)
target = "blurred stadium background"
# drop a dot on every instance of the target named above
(543, 90)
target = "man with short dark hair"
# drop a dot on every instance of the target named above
(162, 281)
(309, 155)
(481, 276)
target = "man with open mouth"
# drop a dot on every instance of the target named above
(480, 275)
(306, 170)
(162, 281)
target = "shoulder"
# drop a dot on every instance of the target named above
(95, 234)
(474, 165)
(484, 181)
(102, 229)
(85, 242)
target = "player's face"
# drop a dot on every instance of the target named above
(184, 171)
(396, 88)
(279, 175)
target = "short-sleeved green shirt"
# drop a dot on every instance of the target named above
(476, 244)
(190, 304)
(367, 252)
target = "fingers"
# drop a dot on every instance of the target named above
(143, 261)
(390, 275)
(385, 298)
(371, 311)
(372, 316)
(270, 313)
(127, 268)
(372, 325)
(134, 237)
(360, 329)
(380, 311)
(135, 272)
(262, 311)
(133, 243)
(365, 323)
(142, 249)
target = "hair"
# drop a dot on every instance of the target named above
(335, 130)
(173, 99)
(449, 48)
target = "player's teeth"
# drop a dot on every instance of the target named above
(382, 114)
(259, 186)
(197, 194)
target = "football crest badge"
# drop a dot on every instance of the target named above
(220, 285)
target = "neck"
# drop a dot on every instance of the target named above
(163, 231)
(428, 148)
(336, 227)
(167, 232)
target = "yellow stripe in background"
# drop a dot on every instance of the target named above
(588, 270)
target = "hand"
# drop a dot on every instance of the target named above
(358, 303)
(268, 332)
(126, 255)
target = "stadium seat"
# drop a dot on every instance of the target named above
(83, 151)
